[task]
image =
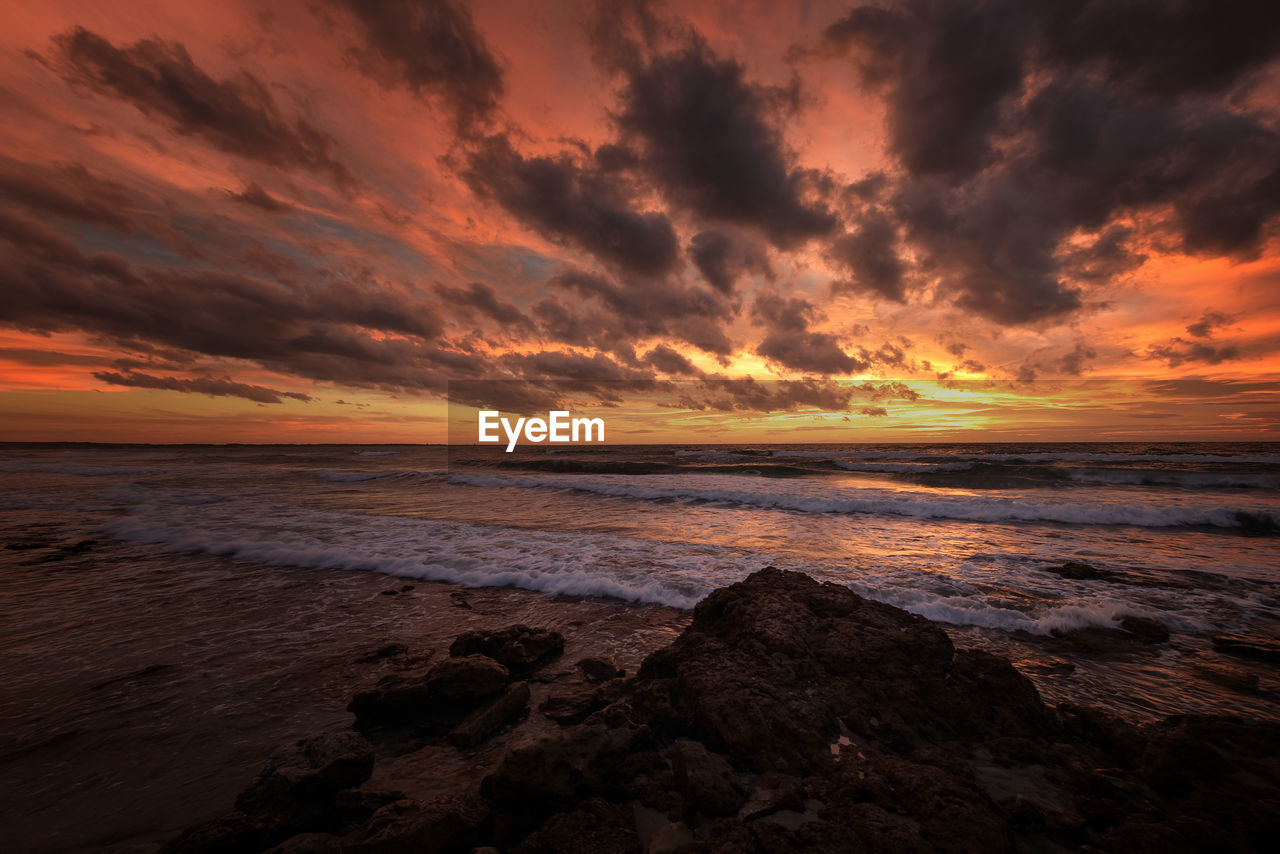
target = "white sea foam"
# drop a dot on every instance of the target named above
(624, 568)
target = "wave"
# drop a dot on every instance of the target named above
(973, 611)
(375, 453)
(629, 569)
(825, 498)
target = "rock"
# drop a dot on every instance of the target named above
(1244, 646)
(772, 668)
(432, 702)
(478, 726)
(572, 708)
(231, 834)
(599, 669)
(391, 650)
(447, 824)
(560, 769)
(309, 771)
(1145, 629)
(519, 648)
(595, 827)
(309, 843)
(705, 779)
(1078, 571)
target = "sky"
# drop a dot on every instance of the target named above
(308, 220)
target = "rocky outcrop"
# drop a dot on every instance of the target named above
(793, 715)
(433, 701)
(520, 648)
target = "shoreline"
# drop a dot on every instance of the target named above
(789, 715)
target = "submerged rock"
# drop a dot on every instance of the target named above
(1078, 571)
(520, 648)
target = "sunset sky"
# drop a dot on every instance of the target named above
(300, 221)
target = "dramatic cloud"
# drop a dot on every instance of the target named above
(669, 361)
(212, 386)
(572, 203)
(710, 139)
(1026, 132)
(790, 343)
(434, 49)
(238, 115)
(870, 255)
(70, 191)
(722, 258)
(622, 195)
(480, 299)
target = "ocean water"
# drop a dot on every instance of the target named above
(964, 534)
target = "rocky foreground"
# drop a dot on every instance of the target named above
(791, 715)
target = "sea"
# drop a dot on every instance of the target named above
(231, 571)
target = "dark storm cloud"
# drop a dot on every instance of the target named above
(669, 361)
(336, 330)
(710, 139)
(870, 255)
(69, 191)
(212, 386)
(572, 202)
(789, 342)
(1027, 134)
(722, 259)
(433, 48)
(480, 298)
(636, 309)
(237, 115)
(255, 195)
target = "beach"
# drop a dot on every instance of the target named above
(182, 612)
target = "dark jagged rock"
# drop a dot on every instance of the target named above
(432, 702)
(1244, 646)
(520, 648)
(308, 788)
(481, 724)
(771, 668)
(453, 823)
(561, 769)
(599, 669)
(705, 779)
(310, 770)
